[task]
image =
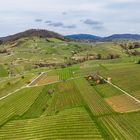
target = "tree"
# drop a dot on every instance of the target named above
(50, 91)
(22, 77)
(138, 62)
(65, 59)
(1, 42)
(8, 83)
(99, 56)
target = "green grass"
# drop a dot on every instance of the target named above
(3, 71)
(124, 73)
(14, 83)
(64, 73)
(104, 49)
(106, 90)
(126, 76)
(67, 73)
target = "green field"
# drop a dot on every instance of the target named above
(3, 71)
(69, 124)
(125, 126)
(71, 107)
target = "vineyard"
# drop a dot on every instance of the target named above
(45, 79)
(123, 103)
(48, 95)
(18, 104)
(67, 96)
(98, 106)
(107, 90)
(122, 126)
(69, 124)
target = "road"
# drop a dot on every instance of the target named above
(29, 85)
(120, 89)
(25, 86)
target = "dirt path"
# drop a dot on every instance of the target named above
(25, 86)
(12, 93)
(120, 89)
(35, 79)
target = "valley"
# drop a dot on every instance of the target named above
(57, 88)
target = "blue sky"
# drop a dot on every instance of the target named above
(99, 17)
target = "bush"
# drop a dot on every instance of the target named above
(8, 83)
(22, 77)
(138, 62)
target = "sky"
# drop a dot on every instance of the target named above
(98, 17)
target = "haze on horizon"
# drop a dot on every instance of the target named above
(70, 17)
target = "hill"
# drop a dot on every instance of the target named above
(108, 38)
(52, 88)
(122, 37)
(83, 36)
(32, 33)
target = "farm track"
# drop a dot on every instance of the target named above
(28, 86)
(120, 89)
(38, 77)
(25, 86)
(12, 93)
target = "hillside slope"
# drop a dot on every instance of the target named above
(32, 33)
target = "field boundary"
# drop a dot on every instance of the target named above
(12, 93)
(120, 89)
(35, 79)
(25, 86)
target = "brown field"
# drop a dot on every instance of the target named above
(123, 103)
(47, 79)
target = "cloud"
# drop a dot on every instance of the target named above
(48, 21)
(64, 13)
(38, 20)
(93, 23)
(70, 26)
(110, 16)
(124, 5)
(56, 24)
(60, 24)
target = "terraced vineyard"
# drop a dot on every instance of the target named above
(107, 90)
(39, 105)
(93, 100)
(122, 126)
(69, 124)
(45, 94)
(18, 104)
(67, 96)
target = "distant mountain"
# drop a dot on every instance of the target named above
(31, 33)
(122, 36)
(50, 34)
(109, 38)
(83, 37)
